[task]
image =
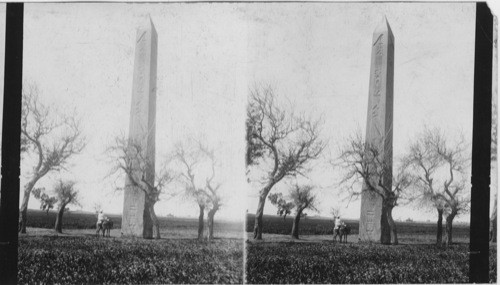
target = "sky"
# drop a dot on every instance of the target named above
(315, 55)
(87, 65)
(318, 56)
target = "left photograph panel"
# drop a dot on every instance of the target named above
(132, 135)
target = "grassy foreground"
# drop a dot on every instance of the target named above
(76, 260)
(78, 257)
(296, 262)
(314, 258)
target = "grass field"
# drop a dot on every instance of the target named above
(314, 258)
(325, 262)
(173, 226)
(77, 256)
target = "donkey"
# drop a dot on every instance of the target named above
(106, 227)
(343, 231)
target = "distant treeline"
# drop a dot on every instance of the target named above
(323, 226)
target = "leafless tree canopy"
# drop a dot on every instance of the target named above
(440, 171)
(46, 202)
(206, 192)
(200, 185)
(279, 141)
(303, 198)
(284, 207)
(66, 195)
(335, 212)
(363, 163)
(130, 158)
(51, 137)
(289, 140)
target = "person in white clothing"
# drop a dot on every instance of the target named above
(338, 222)
(100, 219)
(336, 229)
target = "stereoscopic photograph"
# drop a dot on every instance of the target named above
(249, 142)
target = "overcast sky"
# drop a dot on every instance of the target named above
(81, 56)
(316, 55)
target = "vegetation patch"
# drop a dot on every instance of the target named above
(285, 263)
(76, 260)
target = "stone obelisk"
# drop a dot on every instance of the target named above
(136, 220)
(372, 226)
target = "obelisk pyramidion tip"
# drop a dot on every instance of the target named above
(383, 26)
(149, 23)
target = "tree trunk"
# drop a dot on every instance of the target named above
(23, 211)
(154, 220)
(295, 227)
(385, 231)
(257, 229)
(200, 222)
(23, 220)
(211, 215)
(439, 236)
(58, 226)
(147, 228)
(392, 226)
(449, 229)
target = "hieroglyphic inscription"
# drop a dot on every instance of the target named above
(377, 87)
(141, 76)
(132, 210)
(370, 220)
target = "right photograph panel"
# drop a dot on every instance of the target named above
(359, 142)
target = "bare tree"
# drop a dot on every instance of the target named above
(205, 193)
(255, 148)
(131, 159)
(66, 195)
(335, 212)
(280, 142)
(363, 163)
(214, 207)
(303, 198)
(440, 174)
(284, 207)
(300, 198)
(46, 202)
(52, 138)
(97, 206)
